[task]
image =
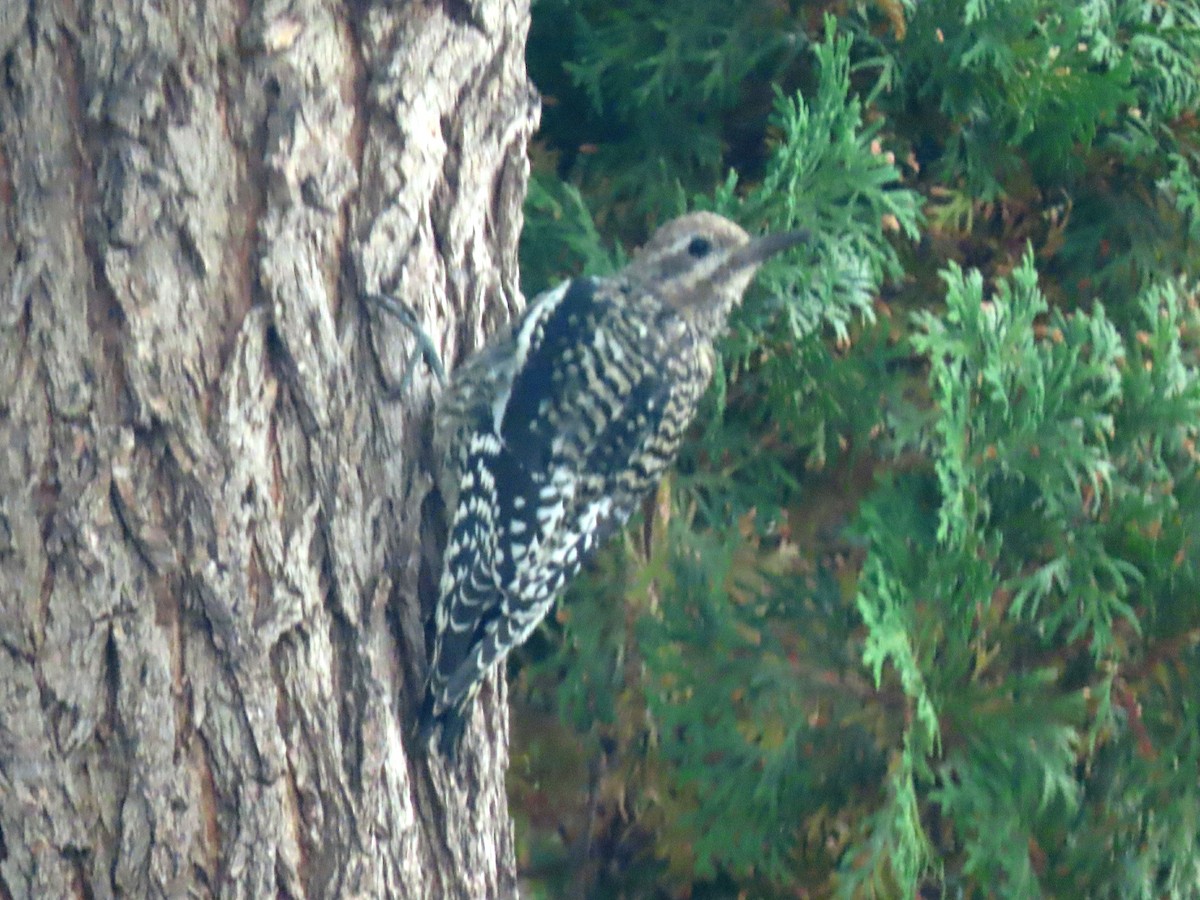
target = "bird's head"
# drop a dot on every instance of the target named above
(701, 263)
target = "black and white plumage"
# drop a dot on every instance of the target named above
(554, 432)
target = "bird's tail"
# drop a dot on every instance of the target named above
(445, 727)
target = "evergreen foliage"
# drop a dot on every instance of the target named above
(917, 612)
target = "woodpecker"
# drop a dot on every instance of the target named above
(552, 434)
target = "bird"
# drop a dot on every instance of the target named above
(551, 435)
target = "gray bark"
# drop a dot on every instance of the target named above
(212, 519)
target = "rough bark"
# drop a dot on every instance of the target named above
(212, 518)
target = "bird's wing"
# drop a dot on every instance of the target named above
(498, 478)
(588, 403)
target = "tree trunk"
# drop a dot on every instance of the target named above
(213, 518)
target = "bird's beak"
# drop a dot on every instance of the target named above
(759, 249)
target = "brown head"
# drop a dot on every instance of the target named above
(701, 264)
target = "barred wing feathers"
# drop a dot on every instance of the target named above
(555, 463)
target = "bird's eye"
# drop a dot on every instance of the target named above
(699, 247)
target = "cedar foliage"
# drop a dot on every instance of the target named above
(916, 613)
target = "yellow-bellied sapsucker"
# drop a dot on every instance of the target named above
(554, 432)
